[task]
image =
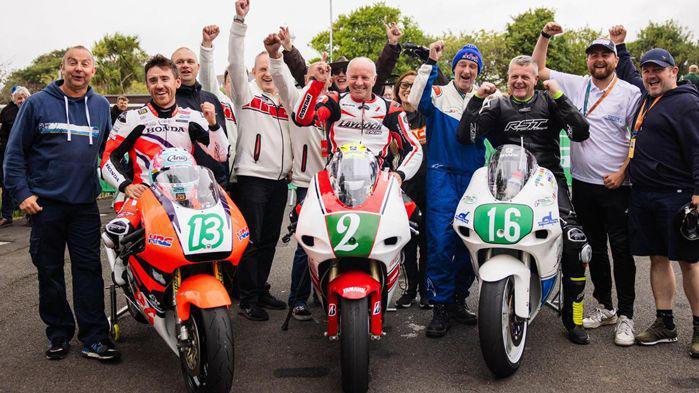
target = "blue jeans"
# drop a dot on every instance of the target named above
(299, 295)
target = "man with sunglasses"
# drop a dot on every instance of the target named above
(601, 191)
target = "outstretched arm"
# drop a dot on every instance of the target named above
(542, 44)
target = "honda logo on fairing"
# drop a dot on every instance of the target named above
(527, 125)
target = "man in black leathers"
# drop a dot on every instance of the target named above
(535, 119)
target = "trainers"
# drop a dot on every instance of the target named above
(425, 303)
(578, 335)
(270, 302)
(253, 312)
(440, 322)
(657, 333)
(4, 222)
(623, 334)
(600, 317)
(58, 349)
(462, 314)
(694, 348)
(102, 350)
(301, 313)
(405, 301)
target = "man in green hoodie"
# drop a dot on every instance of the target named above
(51, 169)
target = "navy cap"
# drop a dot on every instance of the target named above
(658, 56)
(602, 43)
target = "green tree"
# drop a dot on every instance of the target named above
(36, 75)
(362, 33)
(671, 36)
(119, 60)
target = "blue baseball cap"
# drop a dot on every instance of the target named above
(659, 57)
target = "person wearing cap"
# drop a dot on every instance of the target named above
(450, 166)
(664, 174)
(601, 190)
(7, 119)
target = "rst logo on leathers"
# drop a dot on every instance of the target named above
(527, 125)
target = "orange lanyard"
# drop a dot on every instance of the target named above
(599, 101)
(642, 114)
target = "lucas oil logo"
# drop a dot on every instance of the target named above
(160, 240)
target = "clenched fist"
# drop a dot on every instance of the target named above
(436, 50)
(209, 111)
(209, 34)
(553, 28)
(272, 44)
(486, 89)
(617, 34)
(242, 7)
(551, 87)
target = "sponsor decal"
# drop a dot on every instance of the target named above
(469, 199)
(548, 220)
(160, 240)
(164, 128)
(332, 309)
(544, 202)
(368, 126)
(463, 217)
(527, 125)
(143, 111)
(354, 290)
(615, 119)
(177, 158)
(243, 233)
(377, 308)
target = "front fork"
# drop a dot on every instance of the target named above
(181, 328)
(369, 284)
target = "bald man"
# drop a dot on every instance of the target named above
(191, 95)
(365, 118)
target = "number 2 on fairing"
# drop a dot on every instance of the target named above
(349, 230)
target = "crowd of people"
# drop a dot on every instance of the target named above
(634, 159)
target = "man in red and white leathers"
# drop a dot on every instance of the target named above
(363, 117)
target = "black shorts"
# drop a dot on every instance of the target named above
(653, 229)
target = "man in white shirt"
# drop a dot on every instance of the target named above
(600, 189)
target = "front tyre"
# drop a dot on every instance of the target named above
(502, 333)
(354, 340)
(207, 359)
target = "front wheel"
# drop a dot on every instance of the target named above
(502, 333)
(207, 359)
(354, 340)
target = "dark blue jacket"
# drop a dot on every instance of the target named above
(54, 146)
(666, 156)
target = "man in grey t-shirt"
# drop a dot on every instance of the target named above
(598, 165)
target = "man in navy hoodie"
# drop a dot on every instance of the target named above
(51, 168)
(664, 174)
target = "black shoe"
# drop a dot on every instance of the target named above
(462, 314)
(405, 301)
(271, 302)
(58, 349)
(425, 303)
(440, 322)
(102, 350)
(578, 335)
(301, 312)
(253, 312)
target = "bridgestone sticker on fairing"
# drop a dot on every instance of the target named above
(352, 234)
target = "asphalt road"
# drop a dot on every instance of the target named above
(302, 360)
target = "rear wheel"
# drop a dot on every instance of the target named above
(354, 340)
(502, 333)
(207, 360)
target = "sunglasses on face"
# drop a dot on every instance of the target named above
(338, 71)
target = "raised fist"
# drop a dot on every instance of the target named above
(486, 89)
(551, 87)
(436, 50)
(393, 32)
(209, 34)
(617, 34)
(242, 7)
(272, 44)
(552, 28)
(209, 112)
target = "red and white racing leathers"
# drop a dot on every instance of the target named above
(143, 133)
(375, 124)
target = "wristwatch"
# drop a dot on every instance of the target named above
(239, 19)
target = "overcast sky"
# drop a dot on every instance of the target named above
(29, 28)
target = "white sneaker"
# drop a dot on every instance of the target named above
(601, 316)
(623, 334)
